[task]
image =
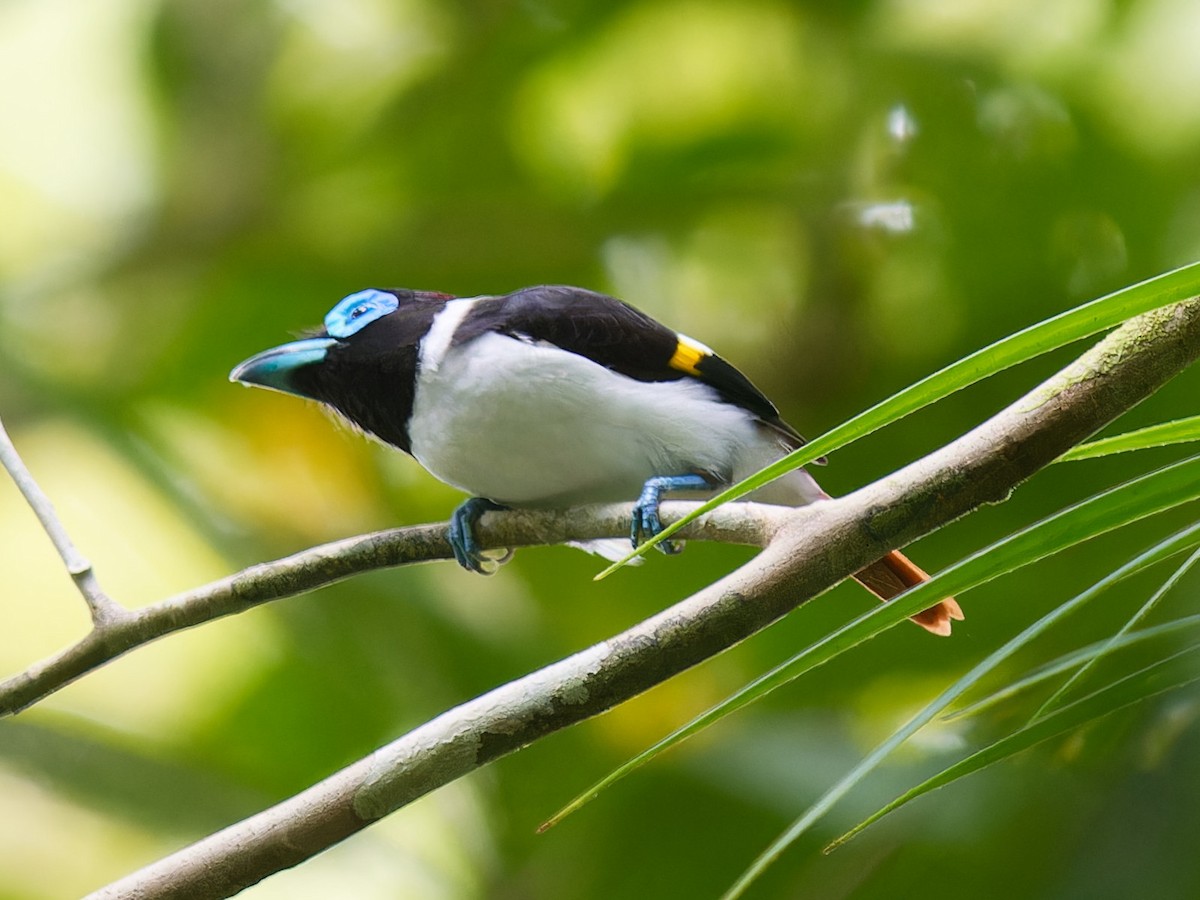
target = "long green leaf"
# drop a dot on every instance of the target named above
(1180, 431)
(1055, 699)
(1068, 662)
(1167, 487)
(1058, 331)
(1176, 671)
(1159, 551)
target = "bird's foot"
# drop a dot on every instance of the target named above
(462, 537)
(646, 523)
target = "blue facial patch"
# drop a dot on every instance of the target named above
(356, 312)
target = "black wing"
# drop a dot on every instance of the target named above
(619, 337)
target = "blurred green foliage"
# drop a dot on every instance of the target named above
(840, 197)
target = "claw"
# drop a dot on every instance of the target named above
(646, 522)
(462, 537)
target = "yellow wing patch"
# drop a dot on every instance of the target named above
(688, 355)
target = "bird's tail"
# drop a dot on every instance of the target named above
(887, 577)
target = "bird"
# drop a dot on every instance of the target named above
(551, 397)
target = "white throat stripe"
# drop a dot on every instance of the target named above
(436, 342)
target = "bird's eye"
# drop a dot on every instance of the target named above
(359, 310)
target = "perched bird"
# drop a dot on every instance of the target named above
(547, 398)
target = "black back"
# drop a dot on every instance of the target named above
(615, 335)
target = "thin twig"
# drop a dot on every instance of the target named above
(837, 538)
(103, 608)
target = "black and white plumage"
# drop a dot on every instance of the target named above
(549, 397)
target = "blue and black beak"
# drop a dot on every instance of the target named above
(287, 368)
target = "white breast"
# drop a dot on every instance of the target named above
(533, 425)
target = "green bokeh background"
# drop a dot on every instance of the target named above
(840, 197)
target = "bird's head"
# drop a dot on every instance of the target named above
(362, 363)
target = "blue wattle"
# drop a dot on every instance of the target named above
(358, 310)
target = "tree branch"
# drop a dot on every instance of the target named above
(123, 630)
(824, 544)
